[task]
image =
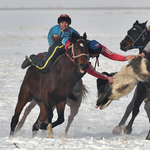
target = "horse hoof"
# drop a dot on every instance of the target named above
(34, 133)
(127, 130)
(117, 130)
(49, 136)
(11, 136)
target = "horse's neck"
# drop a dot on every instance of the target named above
(145, 42)
(147, 37)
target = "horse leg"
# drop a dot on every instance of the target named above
(44, 124)
(147, 86)
(24, 97)
(147, 109)
(118, 129)
(74, 108)
(49, 115)
(141, 95)
(26, 113)
(41, 118)
(60, 110)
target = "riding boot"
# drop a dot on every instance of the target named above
(32, 60)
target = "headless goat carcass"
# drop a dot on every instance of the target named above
(124, 82)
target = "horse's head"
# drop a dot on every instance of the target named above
(79, 52)
(136, 37)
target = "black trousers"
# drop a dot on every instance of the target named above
(55, 50)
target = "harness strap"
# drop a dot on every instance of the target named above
(96, 62)
(143, 38)
(73, 57)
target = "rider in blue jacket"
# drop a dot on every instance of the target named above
(60, 46)
(57, 48)
(62, 29)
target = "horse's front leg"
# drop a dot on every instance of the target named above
(60, 111)
(147, 109)
(139, 95)
(118, 129)
(49, 110)
(147, 86)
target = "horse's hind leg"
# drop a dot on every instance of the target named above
(41, 118)
(24, 97)
(147, 109)
(26, 113)
(74, 108)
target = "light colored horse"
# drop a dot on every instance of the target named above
(79, 92)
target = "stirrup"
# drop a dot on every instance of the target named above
(29, 60)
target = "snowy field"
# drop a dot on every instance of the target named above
(23, 31)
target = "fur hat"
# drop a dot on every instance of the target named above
(94, 47)
(64, 17)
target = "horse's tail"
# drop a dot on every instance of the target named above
(84, 90)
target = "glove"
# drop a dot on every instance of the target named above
(68, 43)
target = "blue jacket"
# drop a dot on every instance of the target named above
(56, 30)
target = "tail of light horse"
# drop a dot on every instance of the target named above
(79, 92)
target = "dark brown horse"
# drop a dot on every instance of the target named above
(79, 91)
(54, 87)
(137, 37)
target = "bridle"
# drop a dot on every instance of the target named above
(142, 34)
(73, 57)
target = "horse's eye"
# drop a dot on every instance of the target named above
(81, 44)
(134, 29)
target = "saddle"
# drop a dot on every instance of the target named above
(71, 96)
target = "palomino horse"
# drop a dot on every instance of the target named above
(137, 37)
(54, 87)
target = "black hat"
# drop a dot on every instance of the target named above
(64, 17)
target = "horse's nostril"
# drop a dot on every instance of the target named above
(123, 46)
(84, 67)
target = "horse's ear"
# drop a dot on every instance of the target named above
(73, 36)
(136, 22)
(84, 36)
(145, 23)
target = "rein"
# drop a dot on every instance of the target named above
(73, 53)
(143, 33)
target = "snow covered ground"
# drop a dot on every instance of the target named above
(23, 31)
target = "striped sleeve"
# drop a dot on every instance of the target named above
(90, 70)
(111, 55)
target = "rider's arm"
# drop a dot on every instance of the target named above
(50, 41)
(94, 73)
(111, 55)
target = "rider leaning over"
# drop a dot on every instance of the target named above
(60, 46)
